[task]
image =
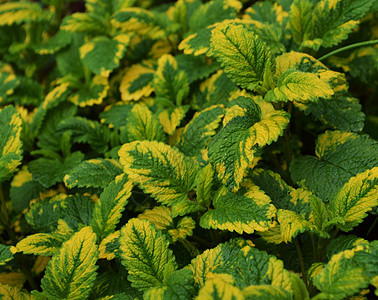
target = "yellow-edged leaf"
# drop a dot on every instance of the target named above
(71, 272)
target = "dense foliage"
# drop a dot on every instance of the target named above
(188, 149)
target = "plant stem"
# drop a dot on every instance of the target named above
(315, 252)
(300, 256)
(356, 45)
(372, 226)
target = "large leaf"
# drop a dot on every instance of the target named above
(159, 170)
(10, 142)
(232, 149)
(244, 57)
(107, 211)
(145, 254)
(341, 277)
(332, 21)
(240, 212)
(340, 156)
(72, 271)
(357, 197)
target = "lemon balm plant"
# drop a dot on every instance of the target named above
(188, 149)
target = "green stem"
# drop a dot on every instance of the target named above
(356, 45)
(301, 261)
(287, 150)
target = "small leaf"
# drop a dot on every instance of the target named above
(340, 156)
(357, 197)
(299, 86)
(72, 271)
(137, 81)
(341, 277)
(159, 170)
(8, 82)
(145, 254)
(108, 209)
(172, 117)
(219, 289)
(244, 57)
(205, 185)
(22, 12)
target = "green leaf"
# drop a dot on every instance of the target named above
(45, 244)
(300, 19)
(44, 214)
(10, 142)
(72, 271)
(162, 218)
(83, 130)
(357, 197)
(22, 12)
(6, 253)
(50, 171)
(112, 202)
(179, 285)
(143, 125)
(170, 83)
(102, 55)
(240, 212)
(232, 149)
(215, 90)
(159, 170)
(344, 242)
(56, 96)
(145, 254)
(91, 94)
(299, 86)
(55, 43)
(341, 277)
(195, 67)
(96, 172)
(116, 115)
(196, 134)
(342, 113)
(253, 267)
(8, 82)
(244, 57)
(332, 21)
(137, 81)
(212, 12)
(340, 156)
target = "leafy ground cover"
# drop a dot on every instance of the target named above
(188, 149)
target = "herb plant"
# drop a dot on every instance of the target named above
(188, 149)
